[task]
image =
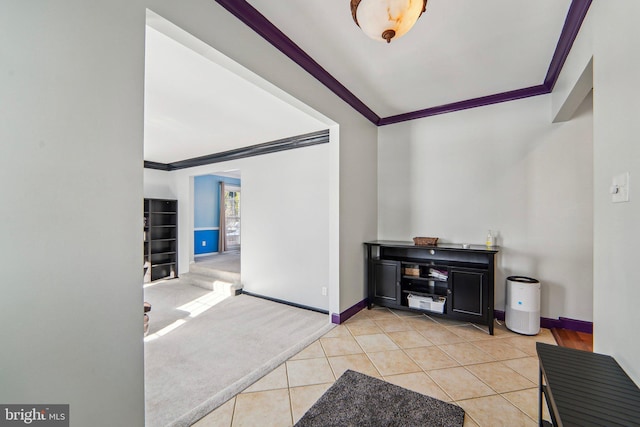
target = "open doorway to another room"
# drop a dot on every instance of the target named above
(217, 225)
(230, 218)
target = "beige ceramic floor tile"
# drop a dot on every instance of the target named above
(355, 362)
(340, 346)
(500, 377)
(377, 313)
(500, 330)
(499, 349)
(441, 335)
(393, 325)
(312, 351)
(309, 371)
(472, 333)
(406, 313)
(421, 322)
(466, 353)
(527, 401)
(264, 408)
(393, 362)
(220, 417)
(275, 379)
(364, 328)
(528, 367)
(303, 398)
(496, 411)
(338, 331)
(448, 322)
(362, 314)
(460, 383)
(468, 421)
(528, 344)
(362, 320)
(376, 342)
(431, 358)
(409, 339)
(420, 383)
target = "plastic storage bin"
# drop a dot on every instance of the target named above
(426, 303)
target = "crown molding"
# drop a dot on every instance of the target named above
(300, 141)
(261, 25)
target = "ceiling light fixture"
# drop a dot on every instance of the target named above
(386, 19)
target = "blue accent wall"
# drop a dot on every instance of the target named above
(210, 239)
(206, 213)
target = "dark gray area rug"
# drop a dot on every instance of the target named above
(356, 399)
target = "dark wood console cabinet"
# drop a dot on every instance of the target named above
(461, 278)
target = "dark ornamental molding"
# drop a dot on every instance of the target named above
(300, 141)
(261, 25)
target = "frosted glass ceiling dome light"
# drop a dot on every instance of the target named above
(385, 19)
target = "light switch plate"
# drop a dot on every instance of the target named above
(621, 184)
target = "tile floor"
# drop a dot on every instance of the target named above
(494, 378)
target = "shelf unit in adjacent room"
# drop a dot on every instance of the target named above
(160, 239)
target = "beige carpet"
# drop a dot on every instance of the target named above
(209, 358)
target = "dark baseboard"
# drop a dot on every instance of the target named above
(562, 323)
(545, 322)
(292, 304)
(349, 312)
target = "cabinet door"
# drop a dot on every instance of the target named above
(386, 281)
(468, 292)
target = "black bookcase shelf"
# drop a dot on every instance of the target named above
(160, 239)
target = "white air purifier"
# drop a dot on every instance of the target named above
(522, 314)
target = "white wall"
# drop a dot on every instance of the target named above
(617, 226)
(158, 185)
(71, 182)
(504, 167)
(285, 222)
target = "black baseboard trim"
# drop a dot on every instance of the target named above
(349, 312)
(292, 304)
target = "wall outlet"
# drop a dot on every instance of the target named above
(204, 243)
(324, 291)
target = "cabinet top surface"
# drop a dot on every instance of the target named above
(439, 246)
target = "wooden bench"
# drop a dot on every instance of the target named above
(585, 389)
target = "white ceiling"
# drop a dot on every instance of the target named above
(458, 50)
(195, 107)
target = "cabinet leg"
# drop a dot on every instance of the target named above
(491, 327)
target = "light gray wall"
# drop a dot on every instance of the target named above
(71, 85)
(616, 60)
(610, 36)
(159, 185)
(503, 167)
(285, 222)
(72, 186)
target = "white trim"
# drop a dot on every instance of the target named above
(206, 229)
(206, 254)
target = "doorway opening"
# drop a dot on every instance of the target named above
(230, 218)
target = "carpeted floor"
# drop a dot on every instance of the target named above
(359, 400)
(207, 359)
